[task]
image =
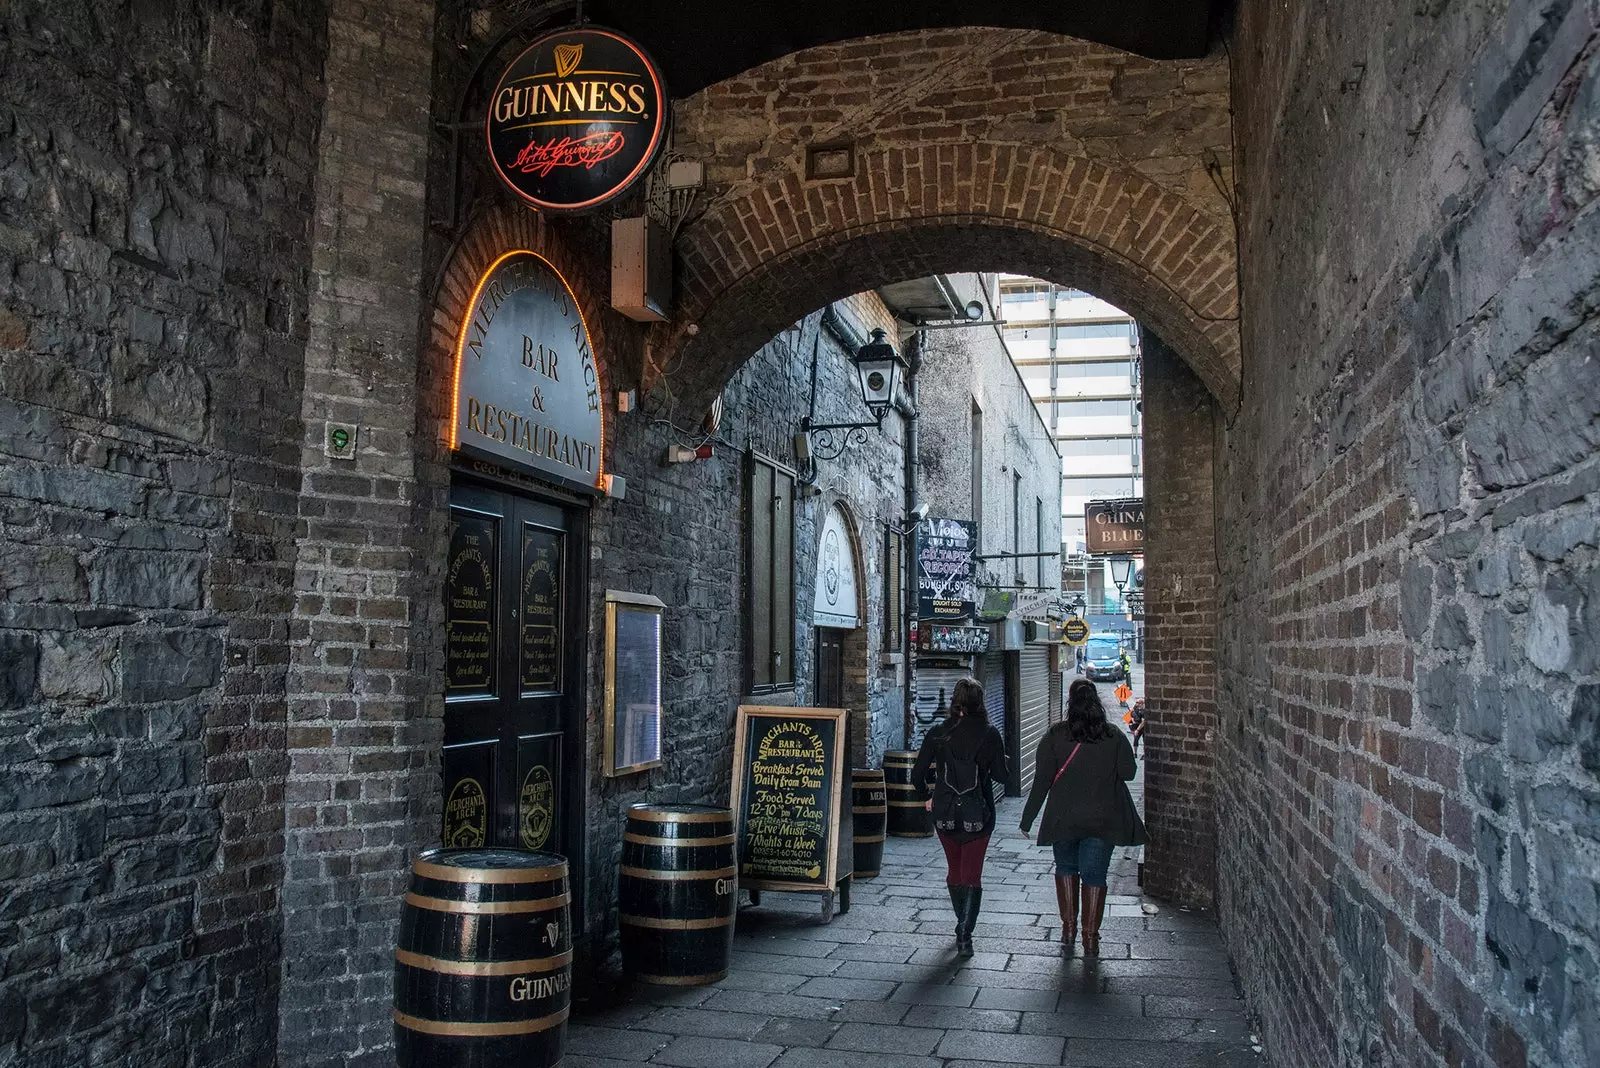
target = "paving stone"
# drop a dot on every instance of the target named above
(1018, 1000)
(1081, 1025)
(919, 994)
(1094, 1003)
(841, 1058)
(880, 1038)
(614, 1043)
(882, 954)
(1163, 986)
(699, 1052)
(888, 1012)
(948, 956)
(898, 973)
(772, 1004)
(766, 982)
(707, 1023)
(1100, 1053)
(1194, 1008)
(773, 962)
(1003, 1049)
(855, 989)
(974, 1019)
(788, 1032)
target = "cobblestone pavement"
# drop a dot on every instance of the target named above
(881, 986)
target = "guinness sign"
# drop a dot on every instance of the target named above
(576, 119)
(527, 387)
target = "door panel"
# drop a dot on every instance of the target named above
(830, 668)
(516, 639)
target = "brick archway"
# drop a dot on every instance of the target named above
(755, 264)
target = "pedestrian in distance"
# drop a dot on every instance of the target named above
(958, 761)
(1136, 721)
(1088, 811)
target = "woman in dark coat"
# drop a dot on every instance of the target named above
(1080, 780)
(958, 760)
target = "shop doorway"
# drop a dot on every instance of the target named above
(516, 631)
(830, 668)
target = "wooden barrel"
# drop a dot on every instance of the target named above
(867, 817)
(483, 972)
(678, 893)
(907, 817)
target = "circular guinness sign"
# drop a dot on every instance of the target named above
(1075, 631)
(576, 119)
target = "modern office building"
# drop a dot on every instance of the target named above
(1080, 359)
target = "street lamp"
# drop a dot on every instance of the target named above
(878, 370)
(1121, 572)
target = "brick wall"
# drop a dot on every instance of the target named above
(1180, 629)
(1407, 500)
(363, 726)
(1008, 150)
(154, 241)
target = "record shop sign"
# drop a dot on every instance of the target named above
(527, 388)
(576, 119)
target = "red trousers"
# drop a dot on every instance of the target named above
(965, 860)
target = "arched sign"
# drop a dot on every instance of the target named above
(576, 119)
(835, 602)
(527, 390)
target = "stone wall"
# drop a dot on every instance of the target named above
(1409, 822)
(156, 165)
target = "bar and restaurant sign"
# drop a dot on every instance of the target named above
(946, 569)
(1115, 527)
(527, 389)
(576, 119)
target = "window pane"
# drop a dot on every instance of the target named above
(760, 616)
(782, 579)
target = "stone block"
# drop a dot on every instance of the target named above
(78, 667)
(35, 573)
(19, 668)
(1518, 70)
(148, 579)
(1580, 148)
(1416, 598)
(166, 397)
(171, 665)
(1585, 721)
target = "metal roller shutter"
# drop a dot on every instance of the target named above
(1034, 706)
(930, 682)
(993, 677)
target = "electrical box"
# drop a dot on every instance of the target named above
(641, 269)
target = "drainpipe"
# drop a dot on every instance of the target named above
(908, 410)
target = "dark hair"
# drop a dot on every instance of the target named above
(967, 698)
(1086, 716)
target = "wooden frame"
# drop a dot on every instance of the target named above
(840, 718)
(617, 603)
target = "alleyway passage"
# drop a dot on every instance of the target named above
(881, 987)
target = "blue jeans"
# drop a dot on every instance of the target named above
(1087, 858)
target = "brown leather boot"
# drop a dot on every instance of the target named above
(1094, 908)
(1067, 905)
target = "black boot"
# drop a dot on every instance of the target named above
(969, 920)
(958, 903)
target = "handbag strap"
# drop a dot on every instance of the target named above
(1070, 755)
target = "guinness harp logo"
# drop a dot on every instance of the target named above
(567, 58)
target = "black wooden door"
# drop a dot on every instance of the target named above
(830, 668)
(514, 660)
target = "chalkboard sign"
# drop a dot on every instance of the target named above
(788, 793)
(469, 641)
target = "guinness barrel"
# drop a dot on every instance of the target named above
(867, 819)
(483, 972)
(907, 817)
(678, 893)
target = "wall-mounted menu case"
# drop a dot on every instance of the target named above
(633, 682)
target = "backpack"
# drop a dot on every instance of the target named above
(957, 810)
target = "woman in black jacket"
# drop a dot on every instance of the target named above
(958, 760)
(1080, 779)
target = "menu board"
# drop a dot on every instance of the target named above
(788, 793)
(541, 610)
(470, 604)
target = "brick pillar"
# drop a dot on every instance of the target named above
(1180, 630)
(361, 735)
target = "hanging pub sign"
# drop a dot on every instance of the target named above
(527, 389)
(946, 571)
(1115, 527)
(576, 119)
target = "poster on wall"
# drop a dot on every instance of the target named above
(527, 388)
(946, 569)
(834, 603)
(788, 782)
(576, 119)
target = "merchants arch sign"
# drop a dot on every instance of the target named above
(527, 388)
